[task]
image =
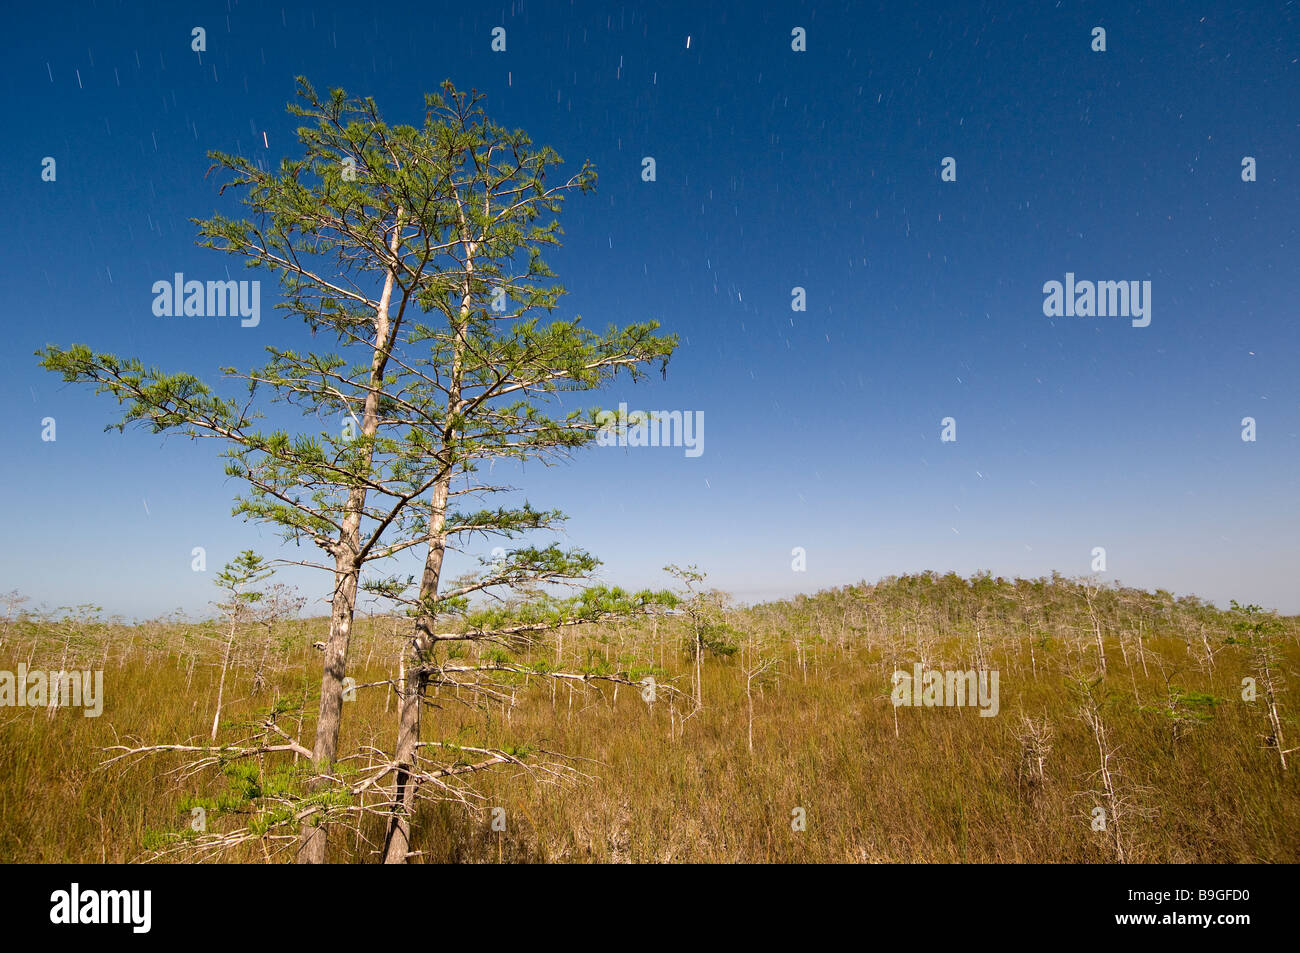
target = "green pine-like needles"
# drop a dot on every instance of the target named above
(416, 253)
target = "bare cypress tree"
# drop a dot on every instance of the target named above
(1254, 628)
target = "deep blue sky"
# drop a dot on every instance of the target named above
(775, 169)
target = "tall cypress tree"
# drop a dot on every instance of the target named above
(418, 250)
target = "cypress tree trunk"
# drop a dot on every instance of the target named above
(311, 842)
(347, 574)
(397, 842)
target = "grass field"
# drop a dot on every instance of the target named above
(836, 772)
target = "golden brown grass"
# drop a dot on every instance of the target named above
(930, 785)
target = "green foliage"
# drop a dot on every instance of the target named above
(1251, 623)
(1186, 705)
(706, 612)
(457, 379)
(245, 570)
(459, 361)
